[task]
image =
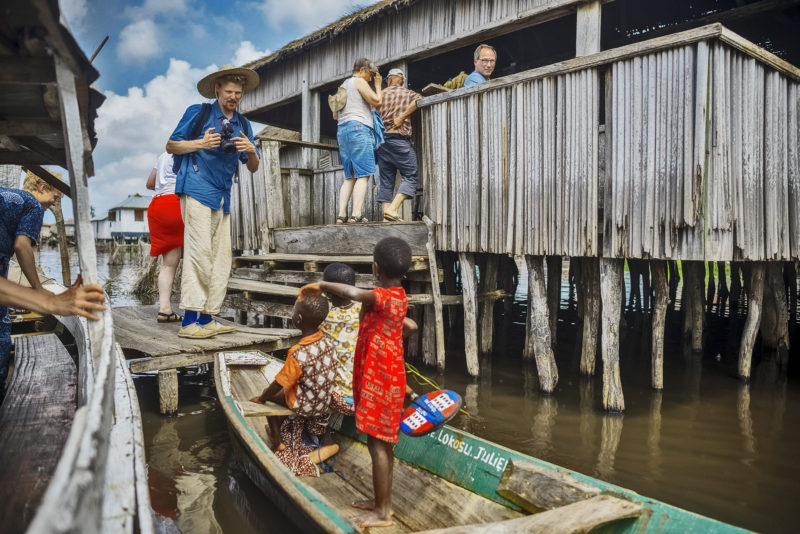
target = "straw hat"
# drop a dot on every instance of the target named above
(206, 85)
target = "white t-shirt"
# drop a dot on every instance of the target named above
(165, 178)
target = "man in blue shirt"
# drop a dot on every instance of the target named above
(204, 182)
(21, 213)
(485, 59)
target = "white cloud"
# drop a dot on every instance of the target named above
(133, 129)
(74, 11)
(308, 15)
(156, 7)
(139, 42)
(247, 52)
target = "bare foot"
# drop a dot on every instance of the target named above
(367, 505)
(373, 519)
(278, 447)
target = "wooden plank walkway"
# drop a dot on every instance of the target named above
(159, 347)
(35, 421)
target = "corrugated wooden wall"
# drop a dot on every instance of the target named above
(702, 159)
(386, 38)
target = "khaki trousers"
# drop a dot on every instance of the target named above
(206, 256)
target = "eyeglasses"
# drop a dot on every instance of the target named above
(487, 61)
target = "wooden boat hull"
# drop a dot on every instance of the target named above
(454, 461)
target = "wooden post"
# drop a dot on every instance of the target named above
(309, 121)
(537, 335)
(587, 37)
(413, 343)
(611, 272)
(711, 291)
(674, 281)
(63, 246)
(488, 283)
(692, 302)
(751, 325)
(428, 336)
(168, 391)
(276, 218)
(469, 292)
(590, 282)
(775, 314)
(553, 295)
(659, 270)
(433, 265)
(736, 287)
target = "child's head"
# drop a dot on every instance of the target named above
(392, 256)
(339, 273)
(309, 313)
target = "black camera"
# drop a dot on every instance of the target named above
(226, 145)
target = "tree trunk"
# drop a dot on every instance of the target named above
(590, 280)
(753, 319)
(611, 283)
(659, 270)
(537, 338)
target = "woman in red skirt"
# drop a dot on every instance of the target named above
(166, 232)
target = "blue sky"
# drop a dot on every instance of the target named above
(156, 53)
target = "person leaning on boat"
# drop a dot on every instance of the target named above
(207, 163)
(21, 214)
(485, 59)
(355, 136)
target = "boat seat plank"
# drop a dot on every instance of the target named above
(534, 488)
(575, 518)
(35, 420)
(254, 409)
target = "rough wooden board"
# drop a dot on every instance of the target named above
(354, 238)
(138, 333)
(35, 420)
(254, 409)
(249, 304)
(576, 518)
(535, 489)
(418, 263)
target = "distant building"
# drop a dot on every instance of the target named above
(127, 221)
(101, 227)
(48, 230)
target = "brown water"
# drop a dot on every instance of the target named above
(708, 443)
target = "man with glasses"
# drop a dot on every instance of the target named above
(485, 59)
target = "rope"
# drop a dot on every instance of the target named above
(422, 379)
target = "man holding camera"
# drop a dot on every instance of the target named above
(208, 144)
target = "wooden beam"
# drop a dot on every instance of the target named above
(302, 144)
(27, 70)
(46, 151)
(27, 157)
(27, 128)
(50, 178)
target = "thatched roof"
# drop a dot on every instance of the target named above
(330, 32)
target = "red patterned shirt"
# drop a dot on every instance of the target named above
(394, 101)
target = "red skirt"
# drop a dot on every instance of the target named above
(166, 224)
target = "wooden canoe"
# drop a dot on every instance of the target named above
(446, 482)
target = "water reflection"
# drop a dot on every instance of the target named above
(654, 435)
(610, 435)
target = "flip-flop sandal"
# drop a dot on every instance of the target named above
(168, 317)
(341, 220)
(392, 218)
(361, 219)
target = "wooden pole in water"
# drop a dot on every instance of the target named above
(63, 247)
(590, 282)
(751, 325)
(692, 302)
(488, 283)
(659, 271)
(553, 294)
(775, 314)
(611, 272)
(537, 334)
(469, 292)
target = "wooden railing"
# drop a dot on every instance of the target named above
(699, 160)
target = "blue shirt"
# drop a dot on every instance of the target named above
(20, 214)
(211, 183)
(474, 78)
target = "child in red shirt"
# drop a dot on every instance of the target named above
(379, 378)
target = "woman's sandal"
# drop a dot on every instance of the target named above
(168, 317)
(392, 218)
(341, 220)
(360, 219)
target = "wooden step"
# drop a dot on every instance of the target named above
(317, 262)
(254, 287)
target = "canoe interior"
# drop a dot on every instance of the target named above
(421, 500)
(445, 479)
